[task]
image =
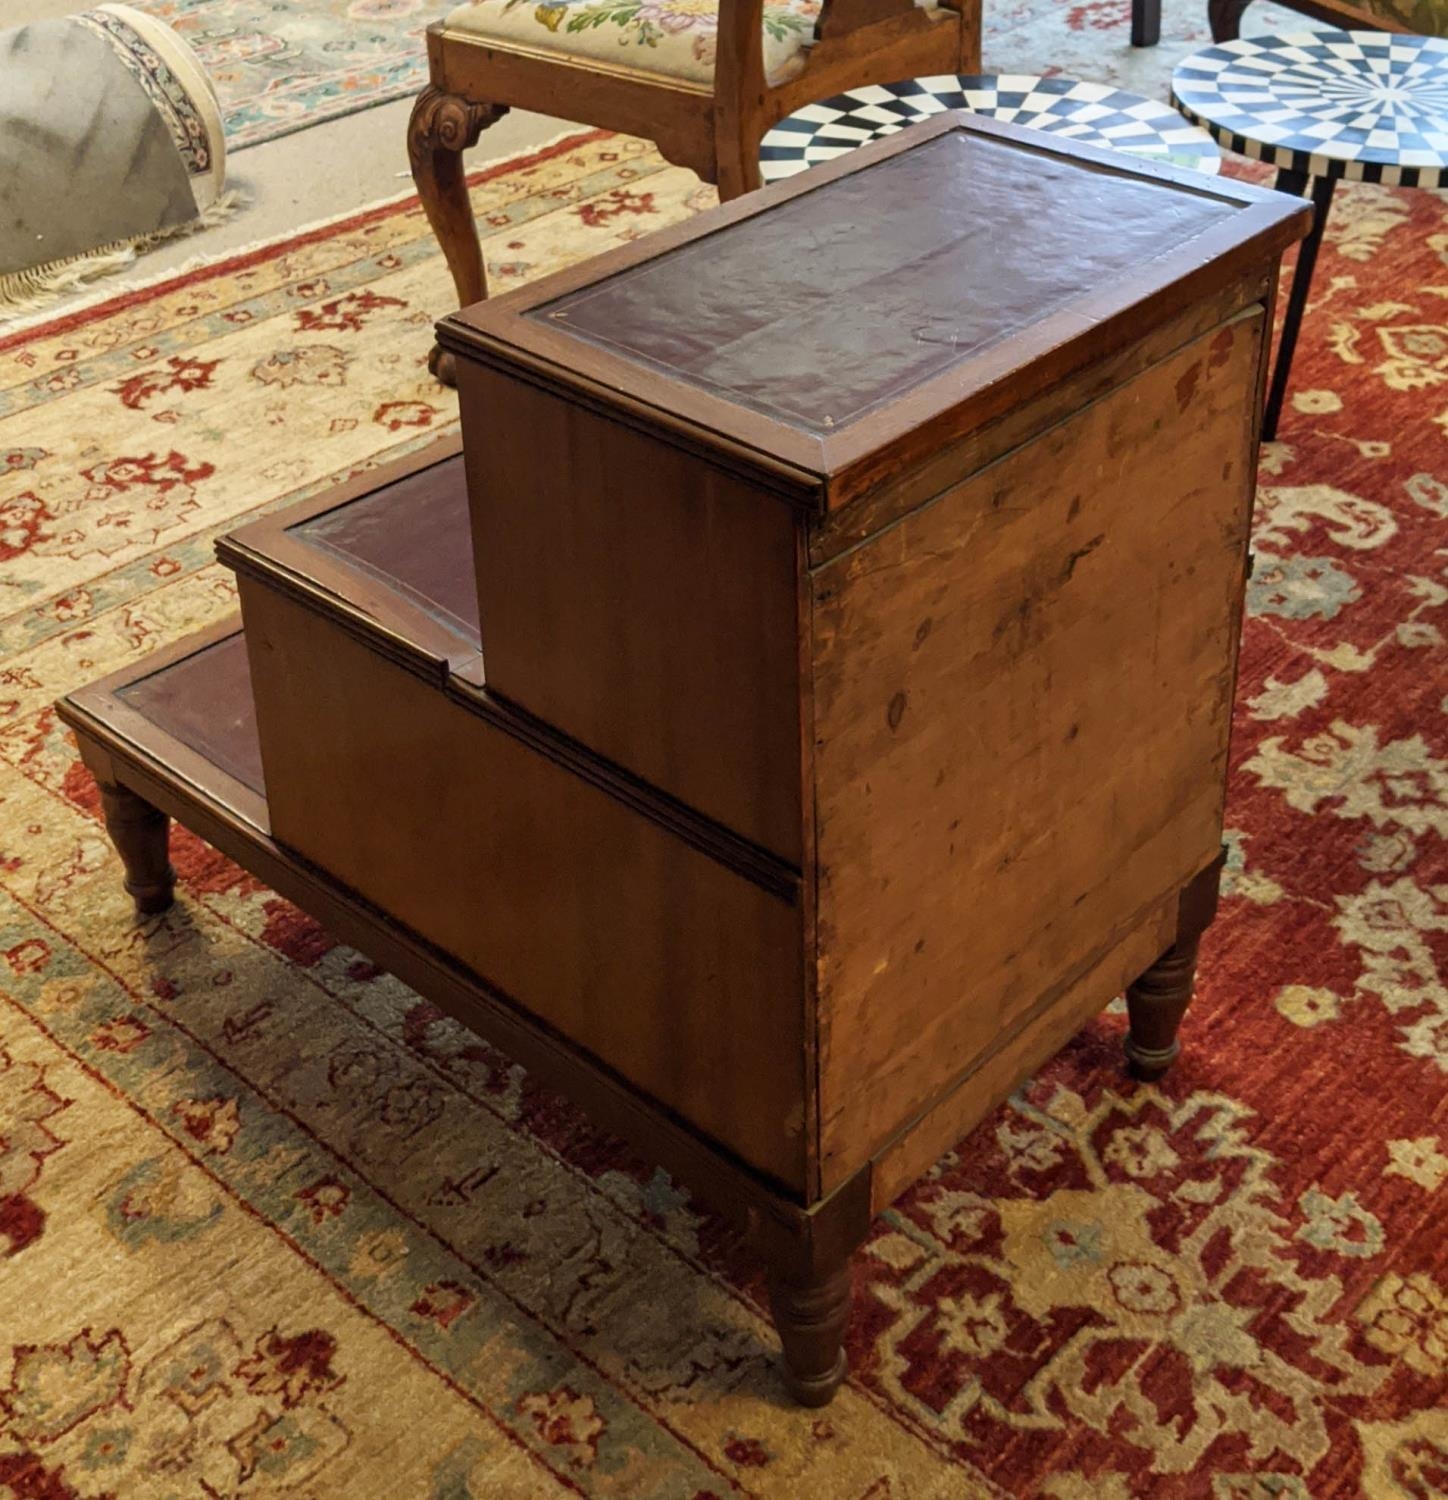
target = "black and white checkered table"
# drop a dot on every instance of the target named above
(1093, 113)
(1368, 106)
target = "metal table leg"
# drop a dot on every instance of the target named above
(1145, 23)
(1294, 183)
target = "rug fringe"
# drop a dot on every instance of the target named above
(37, 287)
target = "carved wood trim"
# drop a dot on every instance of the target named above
(442, 121)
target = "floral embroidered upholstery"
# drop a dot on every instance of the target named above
(672, 37)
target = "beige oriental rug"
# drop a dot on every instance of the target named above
(271, 1227)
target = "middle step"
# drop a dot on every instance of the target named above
(654, 940)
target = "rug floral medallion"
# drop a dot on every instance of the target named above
(270, 1225)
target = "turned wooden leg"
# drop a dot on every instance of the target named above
(811, 1315)
(442, 127)
(1225, 18)
(140, 834)
(1158, 1000)
(1156, 1004)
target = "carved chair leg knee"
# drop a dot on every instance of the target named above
(811, 1315)
(140, 833)
(442, 127)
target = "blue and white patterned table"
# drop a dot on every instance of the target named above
(1093, 113)
(1369, 106)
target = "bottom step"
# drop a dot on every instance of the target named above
(184, 718)
(202, 700)
(177, 733)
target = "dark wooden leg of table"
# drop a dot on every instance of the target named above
(1145, 23)
(1225, 18)
(811, 1315)
(141, 834)
(1294, 183)
(1158, 1000)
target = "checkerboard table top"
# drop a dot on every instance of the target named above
(1092, 113)
(1367, 105)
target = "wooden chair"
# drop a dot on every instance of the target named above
(702, 79)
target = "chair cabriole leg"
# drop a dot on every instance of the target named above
(441, 128)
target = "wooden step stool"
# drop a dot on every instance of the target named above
(859, 570)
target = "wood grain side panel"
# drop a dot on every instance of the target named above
(911, 1154)
(679, 974)
(641, 600)
(1022, 700)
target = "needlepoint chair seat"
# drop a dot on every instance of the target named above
(671, 38)
(702, 79)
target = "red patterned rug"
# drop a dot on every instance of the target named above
(270, 1226)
